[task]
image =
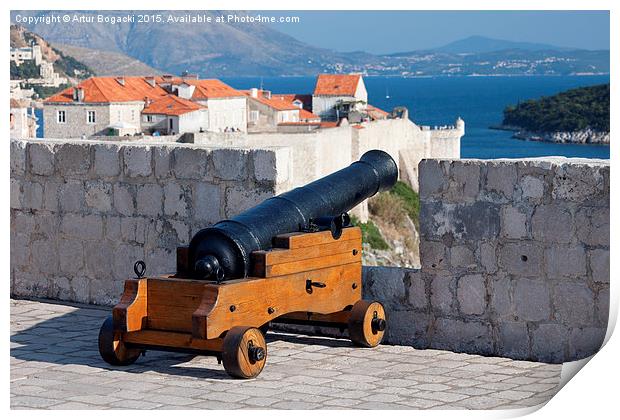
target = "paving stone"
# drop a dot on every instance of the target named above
(70, 375)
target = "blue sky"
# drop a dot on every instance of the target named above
(392, 31)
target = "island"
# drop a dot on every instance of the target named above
(578, 115)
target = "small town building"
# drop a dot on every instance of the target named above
(173, 115)
(23, 121)
(335, 95)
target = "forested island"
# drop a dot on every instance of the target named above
(575, 116)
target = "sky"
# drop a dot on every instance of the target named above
(395, 31)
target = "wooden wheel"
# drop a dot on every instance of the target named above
(112, 349)
(367, 323)
(244, 352)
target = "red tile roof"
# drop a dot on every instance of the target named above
(111, 89)
(374, 109)
(212, 88)
(329, 124)
(308, 116)
(171, 105)
(273, 102)
(306, 100)
(337, 84)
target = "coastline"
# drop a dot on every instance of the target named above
(587, 136)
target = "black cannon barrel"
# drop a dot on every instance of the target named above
(223, 250)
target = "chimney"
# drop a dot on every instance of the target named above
(78, 94)
(121, 80)
(147, 101)
(267, 94)
(254, 93)
(150, 80)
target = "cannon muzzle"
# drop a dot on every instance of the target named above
(223, 250)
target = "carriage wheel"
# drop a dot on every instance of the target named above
(367, 323)
(112, 349)
(244, 352)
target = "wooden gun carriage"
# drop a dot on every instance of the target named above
(222, 298)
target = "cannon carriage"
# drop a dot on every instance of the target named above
(294, 258)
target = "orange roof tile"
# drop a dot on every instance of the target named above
(306, 100)
(212, 88)
(171, 105)
(273, 102)
(110, 89)
(307, 115)
(371, 108)
(337, 84)
(329, 124)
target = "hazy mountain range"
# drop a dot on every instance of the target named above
(216, 50)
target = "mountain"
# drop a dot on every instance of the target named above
(108, 63)
(227, 50)
(480, 44)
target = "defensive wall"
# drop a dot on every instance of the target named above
(514, 254)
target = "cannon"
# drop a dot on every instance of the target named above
(294, 258)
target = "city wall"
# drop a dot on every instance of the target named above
(514, 260)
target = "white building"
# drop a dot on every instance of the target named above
(23, 122)
(335, 95)
(173, 115)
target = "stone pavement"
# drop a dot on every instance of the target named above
(55, 364)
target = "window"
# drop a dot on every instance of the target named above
(148, 118)
(61, 117)
(133, 115)
(118, 115)
(90, 117)
(253, 116)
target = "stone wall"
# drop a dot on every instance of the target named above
(83, 212)
(515, 260)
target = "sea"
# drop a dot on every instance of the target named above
(438, 101)
(480, 101)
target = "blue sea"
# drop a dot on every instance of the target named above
(478, 100)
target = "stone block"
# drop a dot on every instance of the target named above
(60, 288)
(190, 163)
(566, 261)
(98, 257)
(471, 294)
(182, 231)
(432, 177)
(41, 158)
(522, 259)
(501, 304)
(149, 200)
(51, 190)
(417, 296)
(513, 223)
(476, 221)
(123, 199)
(16, 194)
(462, 257)
(602, 307)
(573, 303)
(30, 285)
(80, 289)
(107, 160)
(73, 159)
(19, 249)
(386, 285)
(532, 187)
(552, 223)
(501, 178)
(579, 183)
(22, 223)
(112, 228)
(442, 292)
(206, 202)
(161, 161)
(137, 161)
(599, 265)
(46, 224)
(45, 256)
(71, 196)
(462, 336)
(549, 342)
(18, 157)
(125, 255)
(512, 339)
(176, 200)
(71, 256)
(99, 196)
(433, 255)
(32, 195)
(532, 300)
(86, 227)
(230, 164)
(272, 165)
(239, 199)
(488, 257)
(466, 178)
(407, 328)
(585, 342)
